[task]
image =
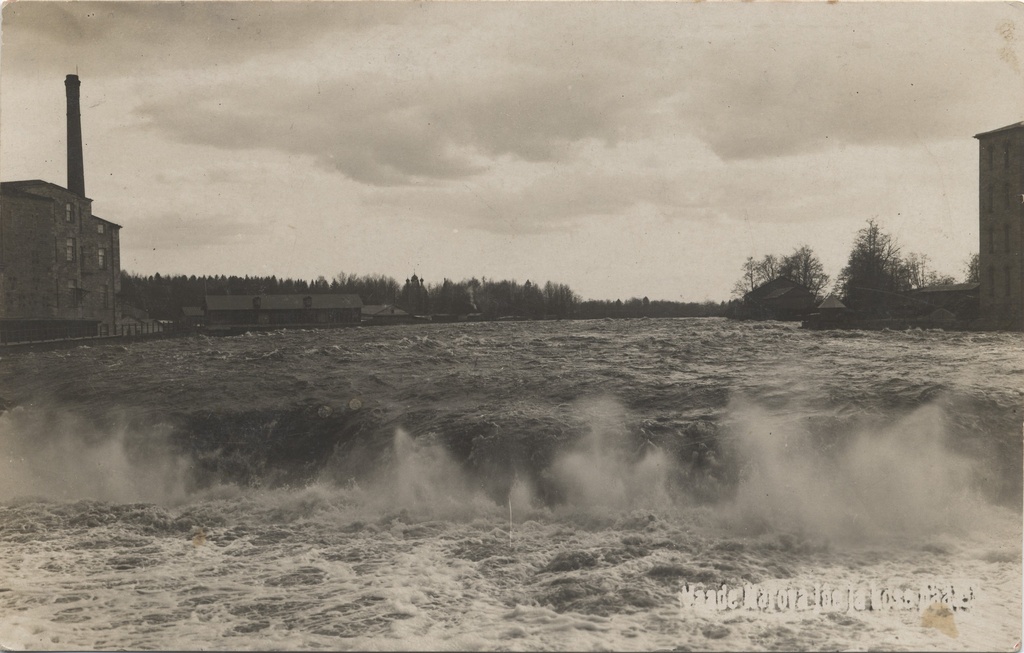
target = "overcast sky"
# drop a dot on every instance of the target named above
(624, 149)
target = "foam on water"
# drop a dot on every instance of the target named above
(607, 469)
(563, 517)
(54, 453)
(875, 480)
(304, 569)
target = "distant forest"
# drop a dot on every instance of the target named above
(162, 297)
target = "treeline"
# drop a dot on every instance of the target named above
(802, 266)
(163, 296)
(875, 274)
(645, 308)
(877, 271)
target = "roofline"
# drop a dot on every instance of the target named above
(42, 181)
(949, 287)
(112, 224)
(353, 300)
(16, 185)
(1016, 125)
(290, 294)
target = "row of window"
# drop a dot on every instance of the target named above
(75, 294)
(1007, 274)
(992, 239)
(1005, 146)
(1010, 197)
(70, 254)
(71, 212)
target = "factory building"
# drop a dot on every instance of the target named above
(1001, 218)
(60, 267)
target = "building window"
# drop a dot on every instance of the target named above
(99, 227)
(307, 302)
(101, 258)
(72, 293)
(69, 216)
(69, 249)
(256, 303)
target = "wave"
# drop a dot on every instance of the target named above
(785, 429)
(762, 468)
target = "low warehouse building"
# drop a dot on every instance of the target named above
(228, 312)
(386, 314)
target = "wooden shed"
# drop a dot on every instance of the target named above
(778, 299)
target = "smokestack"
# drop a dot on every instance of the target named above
(76, 167)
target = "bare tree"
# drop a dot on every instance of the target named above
(768, 268)
(972, 269)
(749, 280)
(914, 271)
(803, 267)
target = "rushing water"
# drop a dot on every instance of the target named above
(544, 485)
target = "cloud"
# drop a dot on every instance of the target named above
(527, 118)
(178, 232)
(430, 105)
(386, 132)
(878, 75)
(143, 37)
(645, 179)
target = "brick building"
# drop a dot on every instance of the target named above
(1001, 214)
(60, 268)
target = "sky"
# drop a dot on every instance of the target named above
(625, 149)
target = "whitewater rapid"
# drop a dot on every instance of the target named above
(518, 486)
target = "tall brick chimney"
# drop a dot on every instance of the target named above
(76, 167)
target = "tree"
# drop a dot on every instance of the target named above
(533, 300)
(936, 279)
(803, 267)
(749, 280)
(913, 273)
(560, 300)
(768, 268)
(972, 269)
(873, 272)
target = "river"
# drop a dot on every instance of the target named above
(523, 485)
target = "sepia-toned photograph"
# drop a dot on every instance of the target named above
(529, 326)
